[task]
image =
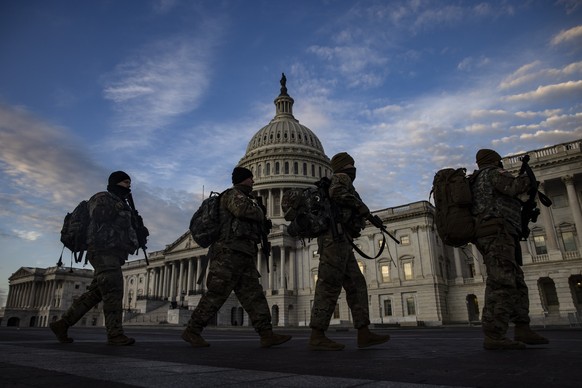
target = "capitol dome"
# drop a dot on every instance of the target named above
(284, 154)
(285, 150)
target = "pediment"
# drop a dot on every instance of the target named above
(22, 272)
(184, 242)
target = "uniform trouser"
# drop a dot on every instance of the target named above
(107, 286)
(338, 268)
(506, 293)
(232, 271)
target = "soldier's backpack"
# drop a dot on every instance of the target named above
(74, 231)
(206, 224)
(453, 199)
(308, 209)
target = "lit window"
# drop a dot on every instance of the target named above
(540, 244)
(385, 271)
(336, 312)
(362, 267)
(407, 267)
(569, 241)
(405, 240)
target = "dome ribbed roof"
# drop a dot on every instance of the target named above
(284, 129)
(284, 132)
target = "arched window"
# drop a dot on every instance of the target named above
(286, 167)
(277, 168)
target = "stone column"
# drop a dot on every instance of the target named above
(574, 206)
(292, 258)
(282, 265)
(181, 280)
(190, 274)
(147, 283)
(458, 267)
(271, 273)
(164, 281)
(548, 222)
(173, 282)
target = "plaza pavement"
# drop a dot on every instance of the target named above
(416, 357)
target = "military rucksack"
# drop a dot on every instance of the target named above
(308, 209)
(74, 230)
(453, 200)
(206, 224)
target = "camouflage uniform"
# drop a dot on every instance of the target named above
(111, 238)
(498, 213)
(233, 263)
(337, 264)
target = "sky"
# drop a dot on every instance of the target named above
(172, 91)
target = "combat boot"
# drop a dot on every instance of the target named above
(60, 329)
(502, 344)
(120, 340)
(268, 338)
(525, 334)
(318, 341)
(194, 339)
(367, 338)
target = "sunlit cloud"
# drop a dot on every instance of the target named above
(571, 35)
(565, 89)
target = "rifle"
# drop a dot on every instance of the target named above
(141, 231)
(377, 222)
(529, 208)
(266, 227)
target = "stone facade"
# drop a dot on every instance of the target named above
(38, 296)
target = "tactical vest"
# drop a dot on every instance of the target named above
(489, 203)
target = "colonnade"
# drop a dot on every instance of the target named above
(179, 277)
(32, 294)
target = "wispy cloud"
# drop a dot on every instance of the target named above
(565, 89)
(159, 83)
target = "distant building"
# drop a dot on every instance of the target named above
(38, 296)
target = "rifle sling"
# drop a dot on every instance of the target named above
(366, 256)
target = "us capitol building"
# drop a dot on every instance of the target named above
(417, 282)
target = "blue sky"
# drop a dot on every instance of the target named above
(172, 91)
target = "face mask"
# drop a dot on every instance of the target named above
(351, 172)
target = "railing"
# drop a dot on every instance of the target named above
(573, 255)
(564, 148)
(540, 258)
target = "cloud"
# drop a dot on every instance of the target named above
(471, 63)
(159, 83)
(547, 92)
(525, 75)
(571, 35)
